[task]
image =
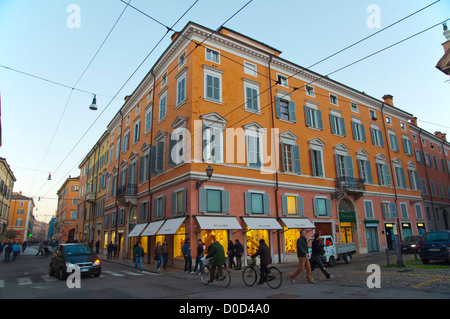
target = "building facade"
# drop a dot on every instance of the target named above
(67, 212)
(289, 148)
(21, 216)
(7, 180)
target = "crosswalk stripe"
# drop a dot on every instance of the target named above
(24, 281)
(113, 273)
(132, 273)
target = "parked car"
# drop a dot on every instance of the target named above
(434, 245)
(409, 244)
(75, 254)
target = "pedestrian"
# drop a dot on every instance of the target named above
(24, 246)
(186, 250)
(15, 251)
(1, 248)
(230, 252)
(115, 250)
(158, 255)
(8, 250)
(238, 252)
(41, 249)
(303, 255)
(97, 246)
(265, 259)
(165, 253)
(138, 254)
(198, 259)
(216, 251)
(316, 253)
(110, 249)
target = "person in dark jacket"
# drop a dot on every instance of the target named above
(238, 252)
(216, 251)
(138, 254)
(315, 256)
(110, 249)
(186, 250)
(230, 252)
(303, 255)
(265, 259)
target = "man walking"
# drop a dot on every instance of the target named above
(315, 257)
(238, 252)
(110, 249)
(186, 250)
(198, 259)
(265, 259)
(15, 251)
(303, 262)
(138, 254)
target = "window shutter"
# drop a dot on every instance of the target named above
(319, 119)
(248, 202)
(284, 207)
(202, 200)
(354, 128)
(292, 114)
(416, 178)
(380, 137)
(307, 116)
(383, 209)
(171, 145)
(316, 211)
(300, 210)
(296, 155)
(183, 201)
(349, 167)
(393, 209)
(342, 124)
(266, 204)
(153, 160)
(363, 132)
(226, 202)
(368, 171)
(155, 208)
(277, 107)
(338, 171)
(332, 124)
(173, 203)
(387, 174)
(328, 205)
(163, 206)
(160, 157)
(283, 159)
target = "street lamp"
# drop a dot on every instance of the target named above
(209, 173)
(93, 106)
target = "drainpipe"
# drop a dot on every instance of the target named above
(275, 159)
(426, 175)
(117, 181)
(397, 239)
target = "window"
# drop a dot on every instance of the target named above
(257, 203)
(418, 211)
(389, 210)
(19, 222)
(282, 80)
(365, 171)
(73, 215)
(433, 188)
(322, 206)
(75, 201)
(20, 211)
(388, 120)
(337, 124)
(427, 159)
(162, 106)
(178, 202)
(148, 120)
(393, 141)
(212, 144)
(407, 146)
(403, 125)
(377, 136)
(250, 68)
(359, 133)
(181, 90)
(333, 99)
(285, 109)
(214, 201)
(441, 190)
(182, 59)
(414, 179)
(157, 157)
(143, 168)
(313, 117)
(435, 162)
(164, 79)
(251, 98)
(404, 210)
(354, 107)
(159, 206)
(290, 157)
(309, 90)
(384, 175)
(419, 157)
(213, 87)
(373, 115)
(149, 96)
(137, 126)
(317, 162)
(143, 211)
(447, 188)
(137, 110)
(292, 204)
(400, 177)
(254, 152)
(443, 165)
(368, 208)
(424, 186)
(212, 55)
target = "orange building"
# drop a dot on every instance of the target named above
(21, 216)
(66, 214)
(289, 149)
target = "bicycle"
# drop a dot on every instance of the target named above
(222, 275)
(250, 274)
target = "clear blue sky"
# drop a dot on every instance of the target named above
(34, 38)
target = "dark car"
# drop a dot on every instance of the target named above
(434, 245)
(75, 254)
(409, 244)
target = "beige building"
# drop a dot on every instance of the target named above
(7, 180)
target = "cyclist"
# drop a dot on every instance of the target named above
(264, 253)
(216, 251)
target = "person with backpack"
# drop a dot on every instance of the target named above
(238, 252)
(316, 252)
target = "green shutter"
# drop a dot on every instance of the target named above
(277, 106)
(202, 200)
(300, 210)
(332, 124)
(153, 160)
(292, 114)
(307, 116)
(226, 202)
(296, 154)
(248, 202)
(172, 143)
(284, 206)
(266, 204)
(173, 203)
(328, 205)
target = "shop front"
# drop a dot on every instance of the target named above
(406, 230)
(347, 226)
(134, 238)
(421, 229)
(291, 233)
(174, 231)
(371, 227)
(218, 228)
(259, 228)
(148, 234)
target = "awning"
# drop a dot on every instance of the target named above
(295, 223)
(171, 226)
(216, 222)
(137, 230)
(262, 223)
(152, 228)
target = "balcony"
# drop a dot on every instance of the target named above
(90, 197)
(349, 185)
(126, 194)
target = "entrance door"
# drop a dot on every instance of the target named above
(388, 230)
(372, 239)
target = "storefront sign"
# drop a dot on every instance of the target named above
(171, 226)
(262, 223)
(152, 228)
(214, 222)
(347, 217)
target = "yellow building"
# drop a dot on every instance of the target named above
(7, 180)
(21, 216)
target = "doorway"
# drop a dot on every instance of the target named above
(372, 239)
(389, 231)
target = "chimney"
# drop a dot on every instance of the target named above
(388, 99)
(127, 97)
(413, 121)
(441, 135)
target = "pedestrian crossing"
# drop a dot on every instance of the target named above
(32, 279)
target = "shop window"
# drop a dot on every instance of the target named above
(219, 235)
(290, 240)
(253, 237)
(178, 240)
